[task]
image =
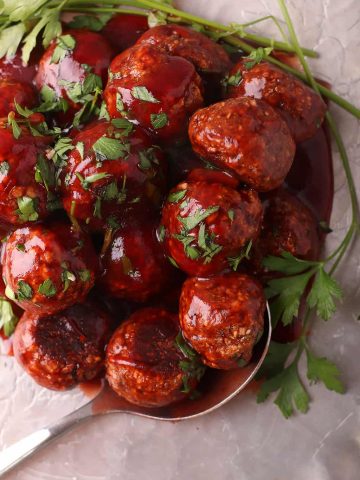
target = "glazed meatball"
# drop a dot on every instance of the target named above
(129, 274)
(27, 177)
(206, 55)
(14, 68)
(62, 350)
(123, 30)
(158, 91)
(12, 92)
(114, 166)
(66, 69)
(205, 225)
(222, 317)
(289, 226)
(247, 136)
(302, 108)
(47, 269)
(145, 364)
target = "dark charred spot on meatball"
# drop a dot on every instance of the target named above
(61, 350)
(47, 269)
(249, 137)
(302, 108)
(158, 91)
(114, 167)
(73, 69)
(204, 53)
(144, 362)
(222, 318)
(123, 30)
(204, 225)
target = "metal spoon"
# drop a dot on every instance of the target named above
(217, 388)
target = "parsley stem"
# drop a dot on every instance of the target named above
(341, 249)
(105, 10)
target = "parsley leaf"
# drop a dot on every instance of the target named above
(47, 288)
(275, 359)
(84, 275)
(287, 264)
(89, 22)
(142, 93)
(8, 319)
(321, 369)
(65, 44)
(175, 197)
(10, 39)
(27, 211)
(123, 124)
(158, 120)
(16, 130)
(234, 80)
(323, 292)
(4, 167)
(257, 56)
(24, 292)
(291, 391)
(86, 181)
(234, 262)
(110, 148)
(192, 221)
(44, 172)
(191, 366)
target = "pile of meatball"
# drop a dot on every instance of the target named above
(133, 239)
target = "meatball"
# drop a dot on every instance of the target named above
(302, 108)
(222, 317)
(130, 275)
(247, 136)
(67, 69)
(145, 363)
(159, 91)
(289, 226)
(14, 69)
(206, 225)
(47, 269)
(12, 92)
(123, 30)
(61, 350)
(206, 55)
(27, 177)
(114, 166)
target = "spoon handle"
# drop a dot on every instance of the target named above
(19, 451)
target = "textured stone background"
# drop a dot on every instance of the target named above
(241, 441)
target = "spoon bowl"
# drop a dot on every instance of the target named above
(217, 388)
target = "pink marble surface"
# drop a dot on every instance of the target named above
(241, 441)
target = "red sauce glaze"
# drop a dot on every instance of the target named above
(302, 109)
(174, 86)
(18, 159)
(142, 359)
(204, 53)
(206, 224)
(222, 317)
(14, 69)
(57, 255)
(133, 276)
(247, 136)
(11, 92)
(90, 49)
(123, 30)
(61, 350)
(135, 180)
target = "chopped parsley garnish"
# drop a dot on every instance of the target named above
(234, 80)
(24, 291)
(44, 172)
(192, 221)
(47, 288)
(8, 319)
(27, 209)
(175, 197)
(16, 130)
(84, 275)
(142, 93)
(90, 22)
(257, 56)
(234, 262)
(119, 103)
(231, 215)
(158, 120)
(161, 233)
(65, 44)
(86, 181)
(110, 148)
(172, 261)
(67, 276)
(147, 159)
(4, 167)
(103, 112)
(191, 366)
(97, 208)
(20, 247)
